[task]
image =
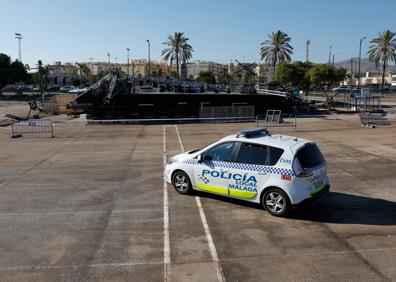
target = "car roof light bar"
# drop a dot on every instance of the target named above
(253, 132)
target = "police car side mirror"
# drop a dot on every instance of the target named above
(199, 158)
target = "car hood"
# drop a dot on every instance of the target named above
(185, 156)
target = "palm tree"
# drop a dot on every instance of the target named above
(186, 56)
(383, 50)
(178, 50)
(276, 49)
(82, 69)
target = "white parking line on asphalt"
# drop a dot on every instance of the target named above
(72, 212)
(166, 213)
(178, 137)
(49, 267)
(213, 252)
(209, 238)
(137, 263)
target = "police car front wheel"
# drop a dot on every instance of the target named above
(182, 182)
(276, 202)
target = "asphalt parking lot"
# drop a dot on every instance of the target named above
(91, 205)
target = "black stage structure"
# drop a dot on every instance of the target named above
(112, 98)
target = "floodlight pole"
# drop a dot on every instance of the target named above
(128, 60)
(149, 61)
(308, 42)
(331, 46)
(360, 55)
(19, 37)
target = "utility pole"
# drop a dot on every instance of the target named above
(333, 59)
(149, 62)
(331, 46)
(108, 56)
(307, 43)
(19, 37)
(360, 55)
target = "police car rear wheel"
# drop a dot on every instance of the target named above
(276, 202)
(182, 183)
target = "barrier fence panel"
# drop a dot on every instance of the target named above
(33, 126)
(236, 112)
(274, 118)
(377, 118)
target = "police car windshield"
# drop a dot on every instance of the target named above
(200, 149)
(310, 156)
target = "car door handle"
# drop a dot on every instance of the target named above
(223, 170)
(262, 173)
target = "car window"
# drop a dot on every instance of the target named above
(221, 152)
(258, 154)
(310, 156)
(252, 154)
(274, 155)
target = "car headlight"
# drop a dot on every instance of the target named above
(172, 161)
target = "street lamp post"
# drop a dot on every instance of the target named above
(128, 60)
(149, 62)
(360, 55)
(19, 37)
(307, 43)
(331, 46)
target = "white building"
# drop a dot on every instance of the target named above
(195, 68)
(61, 74)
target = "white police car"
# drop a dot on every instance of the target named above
(280, 172)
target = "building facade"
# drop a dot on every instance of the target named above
(102, 67)
(139, 67)
(157, 69)
(369, 78)
(195, 68)
(61, 74)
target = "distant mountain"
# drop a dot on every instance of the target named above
(365, 65)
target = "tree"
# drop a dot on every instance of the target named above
(5, 75)
(75, 81)
(295, 74)
(18, 72)
(186, 56)
(276, 49)
(11, 72)
(41, 77)
(383, 50)
(325, 75)
(224, 77)
(82, 69)
(178, 50)
(207, 77)
(98, 76)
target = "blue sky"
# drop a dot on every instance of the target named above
(219, 30)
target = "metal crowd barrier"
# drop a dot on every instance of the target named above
(33, 126)
(274, 118)
(377, 118)
(242, 112)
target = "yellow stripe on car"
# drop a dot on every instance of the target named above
(318, 190)
(242, 194)
(212, 188)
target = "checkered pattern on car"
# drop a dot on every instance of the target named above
(241, 166)
(203, 179)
